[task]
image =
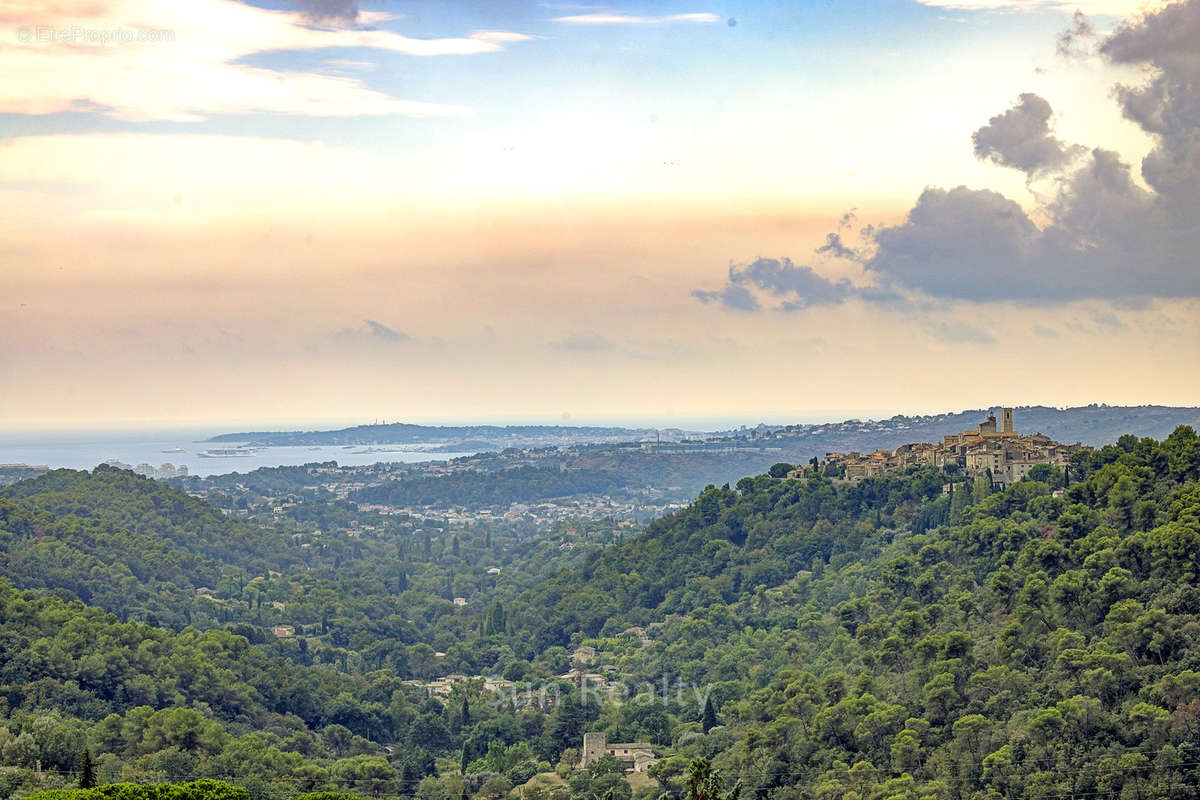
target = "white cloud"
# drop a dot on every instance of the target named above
(348, 64)
(377, 17)
(501, 37)
(627, 19)
(141, 60)
(1110, 8)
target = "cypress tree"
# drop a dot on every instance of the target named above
(708, 716)
(87, 770)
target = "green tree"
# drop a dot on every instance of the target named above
(705, 783)
(87, 770)
(708, 716)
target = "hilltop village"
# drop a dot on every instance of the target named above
(993, 449)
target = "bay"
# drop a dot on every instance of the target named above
(86, 449)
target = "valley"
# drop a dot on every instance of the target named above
(909, 633)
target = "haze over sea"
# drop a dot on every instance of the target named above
(86, 449)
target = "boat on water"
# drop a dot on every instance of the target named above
(228, 452)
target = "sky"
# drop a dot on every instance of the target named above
(293, 212)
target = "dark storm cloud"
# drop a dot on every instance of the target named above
(1100, 235)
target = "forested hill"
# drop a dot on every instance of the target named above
(151, 706)
(502, 488)
(897, 639)
(1034, 642)
(725, 544)
(131, 545)
(357, 587)
(760, 533)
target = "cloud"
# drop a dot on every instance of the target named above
(1168, 106)
(954, 332)
(381, 331)
(372, 332)
(1098, 234)
(1098, 320)
(344, 64)
(792, 287)
(956, 243)
(188, 61)
(341, 11)
(733, 296)
(1070, 40)
(1112, 8)
(501, 37)
(601, 18)
(584, 343)
(1020, 138)
(1107, 319)
(835, 247)
(1107, 238)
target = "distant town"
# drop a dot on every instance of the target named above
(162, 472)
(993, 450)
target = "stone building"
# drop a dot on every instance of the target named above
(637, 756)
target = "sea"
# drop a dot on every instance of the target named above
(190, 448)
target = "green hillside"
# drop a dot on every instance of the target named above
(127, 544)
(147, 552)
(1032, 645)
(897, 638)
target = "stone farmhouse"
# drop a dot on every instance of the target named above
(636, 756)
